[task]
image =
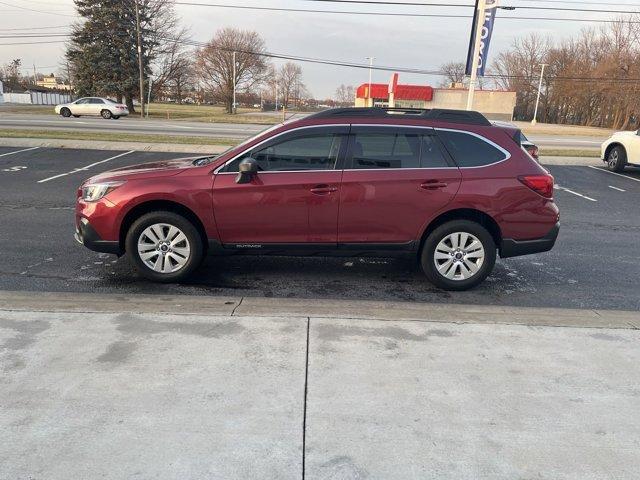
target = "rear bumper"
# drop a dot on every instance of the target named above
(515, 248)
(87, 236)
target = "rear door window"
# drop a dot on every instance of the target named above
(378, 150)
(470, 150)
(375, 148)
(431, 155)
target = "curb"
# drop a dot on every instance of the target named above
(315, 308)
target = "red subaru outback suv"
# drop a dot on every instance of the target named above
(445, 186)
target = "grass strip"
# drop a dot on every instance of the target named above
(569, 152)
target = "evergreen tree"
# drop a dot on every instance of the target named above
(103, 51)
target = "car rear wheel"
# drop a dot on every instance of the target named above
(617, 159)
(164, 246)
(106, 114)
(458, 255)
(65, 112)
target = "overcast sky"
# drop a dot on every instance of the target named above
(413, 42)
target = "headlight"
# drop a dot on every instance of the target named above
(93, 192)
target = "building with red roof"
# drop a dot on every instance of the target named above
(495, 104)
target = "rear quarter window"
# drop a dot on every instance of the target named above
(470, 150)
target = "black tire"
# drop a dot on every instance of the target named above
(65, 112)
(617, 159)
(194, 242)
(116, 117)
(428, 261)
(106, 114)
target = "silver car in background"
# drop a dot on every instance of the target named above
(93, 106)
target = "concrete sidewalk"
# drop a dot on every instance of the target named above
(121, 387)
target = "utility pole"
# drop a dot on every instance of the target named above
(371, 59)
(535, 113)
(140, 69)
(276, 80)
(35, 75)
(149, 95)
(482, 5)
(233, 107)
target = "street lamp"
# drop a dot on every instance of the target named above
(371, 59)
(535, 112)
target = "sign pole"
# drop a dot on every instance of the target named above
(476, 52)
(535, 113)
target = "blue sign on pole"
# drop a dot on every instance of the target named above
(485, 36)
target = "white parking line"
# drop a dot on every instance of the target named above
(85, 168)
(616, 188)
(558, 187)
(600, 169)
(18, 151)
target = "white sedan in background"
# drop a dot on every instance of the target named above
(93, 106)
(621, 149)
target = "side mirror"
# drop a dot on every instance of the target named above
(247, 169)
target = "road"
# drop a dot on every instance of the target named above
(237, 131)
(595, 263)
(216, 130)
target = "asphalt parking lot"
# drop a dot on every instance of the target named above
(595, 264)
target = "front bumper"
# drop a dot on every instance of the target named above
(87, 236)
(515, 248)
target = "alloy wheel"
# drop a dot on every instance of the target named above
(164, 248)
(459, 256)
(614, 156)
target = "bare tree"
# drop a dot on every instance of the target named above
(214, 63)
(590, 78)
(289, 82)
(173, 69)
(454, 72)
(345, 95)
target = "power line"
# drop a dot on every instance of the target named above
(429, 4)
(393, 14)
(33, 28)
(338, 63)
(396, 69)
(31, 43)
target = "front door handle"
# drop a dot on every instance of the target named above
(432, 185)
(323, 189)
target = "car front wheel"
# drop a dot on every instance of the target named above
(164, 246)
(458, 255)
(65, 112)
(617, 159)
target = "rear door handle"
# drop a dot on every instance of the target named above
(432, 185)
(323, 189)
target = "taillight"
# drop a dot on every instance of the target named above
(542, 184)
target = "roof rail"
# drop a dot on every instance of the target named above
(442, 114)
